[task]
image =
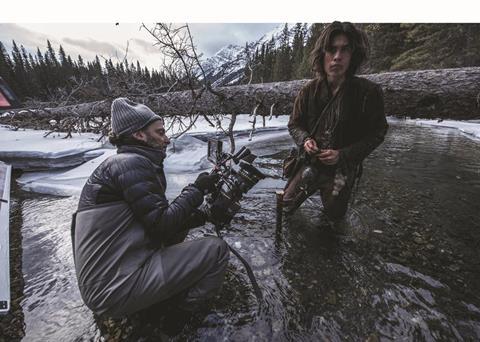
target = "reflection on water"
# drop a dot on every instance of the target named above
(407, 266)
(52, 305)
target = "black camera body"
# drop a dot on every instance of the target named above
(237, 177)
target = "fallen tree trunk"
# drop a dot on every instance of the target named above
(443, 93)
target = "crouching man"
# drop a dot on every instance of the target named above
(128, 239)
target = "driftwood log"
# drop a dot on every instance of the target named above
(443, 93)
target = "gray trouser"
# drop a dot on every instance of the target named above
(196, 267)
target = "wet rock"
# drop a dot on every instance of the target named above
(331, 297)
(265, 273)
(419, 241)
(258, 260)
(454, 268)
(406, 254)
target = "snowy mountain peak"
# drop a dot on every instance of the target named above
(227, 66)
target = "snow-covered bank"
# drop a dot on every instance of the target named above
(61, 182)
(186, 156)
(470, 129)
(242, 122)
(30, 150)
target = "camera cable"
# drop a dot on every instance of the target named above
(256, 288)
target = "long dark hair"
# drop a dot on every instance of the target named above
(129, 139)
(357, 39)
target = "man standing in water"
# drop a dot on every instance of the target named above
(128, 239)
(338, 119)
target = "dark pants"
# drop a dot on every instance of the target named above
(296, 192)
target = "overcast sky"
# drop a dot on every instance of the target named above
(110, 40)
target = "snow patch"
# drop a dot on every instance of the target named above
(471, 129)
(61, 182)
(29, 150)
(185, 155)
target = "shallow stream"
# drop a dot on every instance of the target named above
(406, 267)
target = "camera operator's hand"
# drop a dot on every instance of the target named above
(196, 219)
(206, 182)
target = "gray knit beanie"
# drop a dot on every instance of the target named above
(129, 117)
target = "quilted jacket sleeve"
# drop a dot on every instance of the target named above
(143, 191)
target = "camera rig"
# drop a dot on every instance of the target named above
(237, 177)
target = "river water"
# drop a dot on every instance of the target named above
(405, 267)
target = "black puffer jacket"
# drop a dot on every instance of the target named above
(135, 175)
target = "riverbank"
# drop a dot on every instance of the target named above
(12, 324)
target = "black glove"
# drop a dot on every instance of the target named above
(206, 182)
(196, 219)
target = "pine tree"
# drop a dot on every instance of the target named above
(20, 76)
(81, 68)
(270, 56)
(305, 70)
(146, 74)
(50, 55)
(31, 83)
(433, 46)
(298, 51)
(282, 68)
(62, 57)
(97, 67)
(6, 65)
(41, 75)
(139, 70)
(387, 42)
(472, 45)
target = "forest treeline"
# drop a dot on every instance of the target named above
(393, 47)
(53, 75)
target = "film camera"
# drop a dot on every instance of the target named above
(237, 177)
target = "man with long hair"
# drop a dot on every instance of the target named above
(338, 119)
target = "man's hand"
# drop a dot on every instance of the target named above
(196, 219)
(206, 182)
(310, 146)
(329, 157)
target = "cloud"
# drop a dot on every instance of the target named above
(148, 47)
(107, 50)
(109, 40)
(96, 47)
(22, 36)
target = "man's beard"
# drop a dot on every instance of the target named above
(154, 144)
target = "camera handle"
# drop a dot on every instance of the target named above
(256, 289)
(242, 153)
